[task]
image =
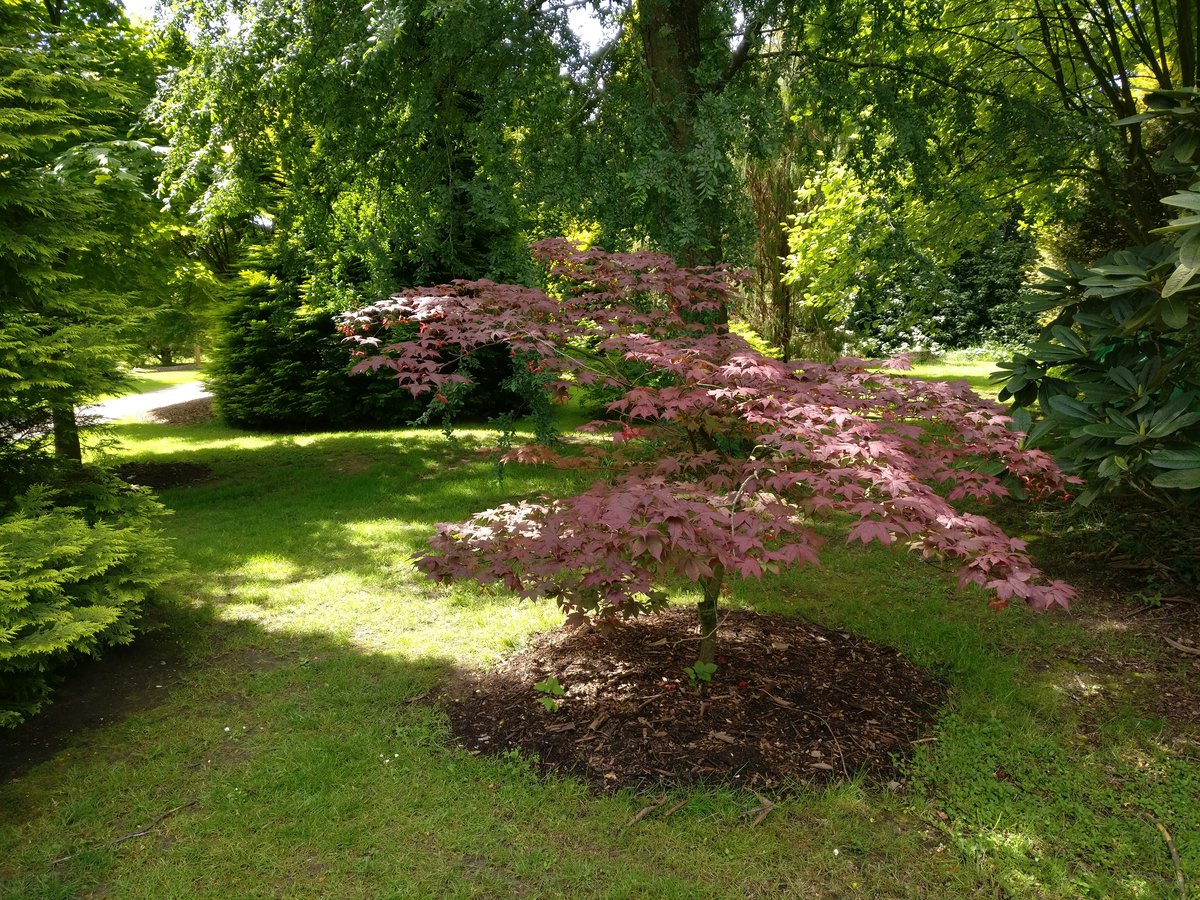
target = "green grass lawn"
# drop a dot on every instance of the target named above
(306, 768)
(976, 372)
(142, 381)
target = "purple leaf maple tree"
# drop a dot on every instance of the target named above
(714, 460)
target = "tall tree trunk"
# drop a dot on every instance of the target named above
(66, 434)
(671, 44)
(707, 610)
(771, 188)
(1187, 42)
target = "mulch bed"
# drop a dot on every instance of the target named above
(160, 475)
(190, 412)
(791, 703)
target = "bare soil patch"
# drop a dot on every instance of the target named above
(791, 702)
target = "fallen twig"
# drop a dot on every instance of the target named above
(1180, 881)
(642, 813)
(648, 701)
(674, 809)
(141, 832)
(1137, 612)
(837, 746)
(1182, 648)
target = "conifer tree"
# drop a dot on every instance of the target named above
(61, 335)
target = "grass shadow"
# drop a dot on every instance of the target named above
(288, 513)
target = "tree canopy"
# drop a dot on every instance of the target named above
(67, 179)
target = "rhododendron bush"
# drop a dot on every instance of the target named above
(714, 460)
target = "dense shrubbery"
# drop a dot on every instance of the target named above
(76, 564)
(281, 364)
(986, 305)
(974, 301)
(1116, 373)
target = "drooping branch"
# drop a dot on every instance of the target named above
(897, 68)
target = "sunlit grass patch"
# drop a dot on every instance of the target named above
(977, 373)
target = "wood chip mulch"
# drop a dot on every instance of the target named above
(190, 412)
(791, 703)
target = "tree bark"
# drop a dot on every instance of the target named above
(66, 434)
(707, 610)
(1187, 46)
(672, 51)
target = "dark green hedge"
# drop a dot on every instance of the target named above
(280, 365)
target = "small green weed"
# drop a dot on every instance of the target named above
(551, 690)
(700, 672)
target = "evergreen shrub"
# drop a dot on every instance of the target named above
(77, 562)
(281, 365)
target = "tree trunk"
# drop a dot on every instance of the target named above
(771, 188)
(672, 52)
(196, 354)
(66, 434)
(707, 610)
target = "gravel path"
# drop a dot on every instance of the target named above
(138, 405)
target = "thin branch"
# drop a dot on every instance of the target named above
(674, 809)
(1180, 881)
(751, 36)
(645, 811)
(1182, 648)
(141, 832)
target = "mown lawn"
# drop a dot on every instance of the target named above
(299, 740)
(976, 372)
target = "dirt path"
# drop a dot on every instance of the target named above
(136, 405)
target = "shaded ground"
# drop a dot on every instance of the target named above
(1135, 577)
(93, 693)
(790, 702)
(161, 475)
